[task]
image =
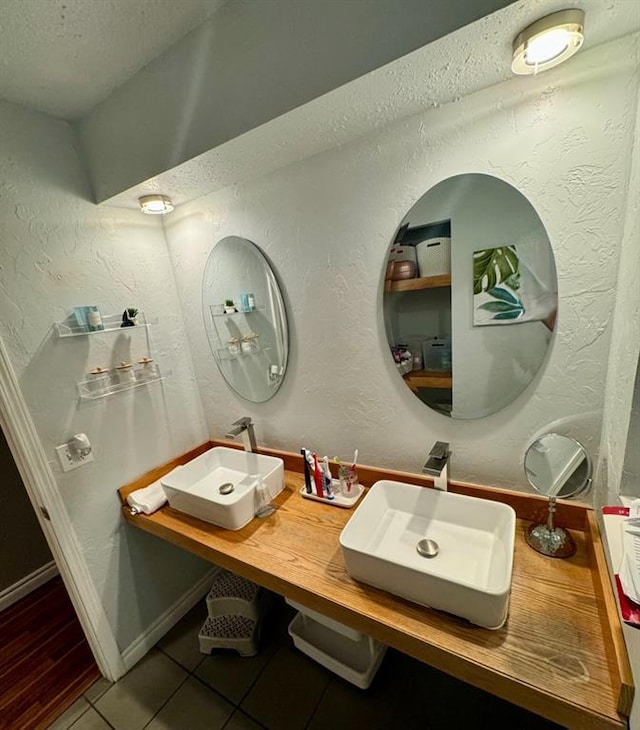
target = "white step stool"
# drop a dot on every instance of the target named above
(235, 606)
(229, 632)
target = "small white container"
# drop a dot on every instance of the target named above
(98, 381)
(437, 354)
(357, 660)
(94, 320)
(403, 253)
(233, 346)
(434, 257)
(148, 370)
(125, 373)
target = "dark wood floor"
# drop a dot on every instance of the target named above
(45, 661)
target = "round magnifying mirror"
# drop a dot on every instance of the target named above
(556, 466)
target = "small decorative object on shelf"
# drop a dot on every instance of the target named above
(125, 373)
(148, 370)
(88, 319)
(99, 380)
(129, 317)
(250, 343)
(233, 345)
(229, 306)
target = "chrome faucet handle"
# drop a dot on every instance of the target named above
(243, 421)
(440, 450)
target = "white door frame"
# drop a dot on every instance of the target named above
(42, 489)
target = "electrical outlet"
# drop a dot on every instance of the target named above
(70, 460)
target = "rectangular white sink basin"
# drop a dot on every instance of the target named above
(470, 576)
(195, 487)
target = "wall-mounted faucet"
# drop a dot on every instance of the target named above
(244, 426)
(437, 465)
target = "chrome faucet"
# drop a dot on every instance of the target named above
(243, 426)
(437, 465)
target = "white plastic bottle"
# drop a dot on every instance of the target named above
(262, 499)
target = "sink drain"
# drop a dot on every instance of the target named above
(428, 548)
(226, 488)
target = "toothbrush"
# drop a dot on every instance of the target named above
(327, 478)
(307, 473)
(312, 468)
(317, 474)
(355, 459)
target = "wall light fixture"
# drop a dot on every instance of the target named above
(155, 204)
(548, 42)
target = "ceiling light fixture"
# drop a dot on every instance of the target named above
(548, 42)
(155, 204)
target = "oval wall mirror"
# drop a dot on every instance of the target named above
(556, 466)
(245, 319)
(470, 296)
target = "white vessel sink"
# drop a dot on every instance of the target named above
(195, 487)
(470, 576)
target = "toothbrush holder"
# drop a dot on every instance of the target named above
(348, 479)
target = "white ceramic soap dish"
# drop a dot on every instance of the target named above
(346, 501)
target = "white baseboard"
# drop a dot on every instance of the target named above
(147, 640)
(27, 584)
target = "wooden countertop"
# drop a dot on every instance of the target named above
(560, 653)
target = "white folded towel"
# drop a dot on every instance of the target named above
(148, 499)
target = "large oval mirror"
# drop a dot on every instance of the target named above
(245, 319)
(470, 296)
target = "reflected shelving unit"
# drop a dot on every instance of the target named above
(429, 379)
(224, 354)
(418, 310)
(235, 314)
(424, 282)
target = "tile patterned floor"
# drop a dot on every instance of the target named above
(176, 688)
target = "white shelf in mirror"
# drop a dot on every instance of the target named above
(223, 353)
(234, 314)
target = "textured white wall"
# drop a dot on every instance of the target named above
(58, 251)
(561, 138)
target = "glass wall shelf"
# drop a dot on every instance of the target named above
(111, 323)
(233, 314)
(91, 389)
(224, 354)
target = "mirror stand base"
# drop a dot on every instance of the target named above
(555, 542)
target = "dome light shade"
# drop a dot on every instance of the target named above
(155, 204)
(548, 42)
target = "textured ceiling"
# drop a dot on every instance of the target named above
(470, 59)
(63, 57)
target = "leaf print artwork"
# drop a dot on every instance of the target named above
(496, 279)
